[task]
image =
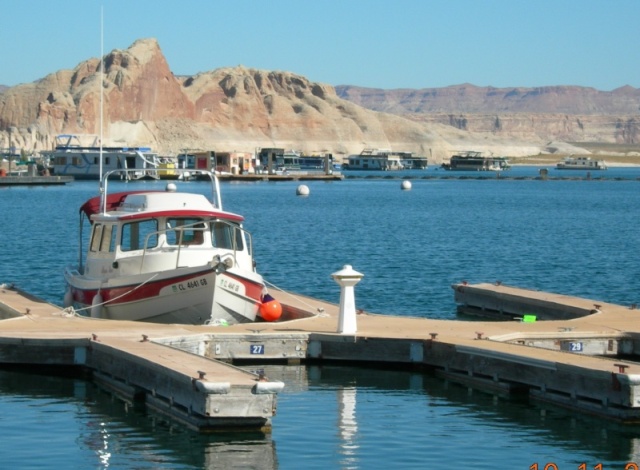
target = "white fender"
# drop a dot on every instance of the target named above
(68, 298)
(263, 388)
(96, 306)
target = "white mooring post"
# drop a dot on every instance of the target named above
(347, 278)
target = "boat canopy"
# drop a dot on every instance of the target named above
(118, 202)
(181, 213)
(114, 200)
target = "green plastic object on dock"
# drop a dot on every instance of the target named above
(528, 318)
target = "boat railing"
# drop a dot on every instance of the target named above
(198, 226)
(216, 198)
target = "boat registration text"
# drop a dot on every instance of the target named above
(192, 284)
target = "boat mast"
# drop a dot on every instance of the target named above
(101, 85)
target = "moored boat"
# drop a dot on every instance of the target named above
(166, 257)
(475, 161)
(167, 166)
(413, 162)
(581, 163)
(374, 159)
(82, 156)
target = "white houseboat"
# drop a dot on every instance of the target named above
(475, 161)
(374, 159)
(581, 163)
(78, 155)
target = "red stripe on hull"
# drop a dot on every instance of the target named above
(133, 292)
(252, 290)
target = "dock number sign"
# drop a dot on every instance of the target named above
(572, 346)
(256, 349)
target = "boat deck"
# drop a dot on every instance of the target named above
(182, 370)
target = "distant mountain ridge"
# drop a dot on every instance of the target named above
(240, 108)
(467, 98)
(232, 108)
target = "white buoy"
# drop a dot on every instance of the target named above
(171, 188)
(406, 185)
(303, 190)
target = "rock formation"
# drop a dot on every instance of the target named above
(569, 113)
(144, 104)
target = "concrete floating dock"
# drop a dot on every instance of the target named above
(282, 177)
(508, 303)
(189, 388)
(34, 180)
(581, 362)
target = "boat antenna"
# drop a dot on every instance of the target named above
(101, 85)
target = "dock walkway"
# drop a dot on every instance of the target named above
(182, 370)
(34, 180)
(293, 176)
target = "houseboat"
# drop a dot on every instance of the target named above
(581, 163)
(197, 162)
(413, 162)
(322, 162)
(374, 159)
(278, 160)
(168, 168)
(79, 155)
(275, 160)
(475, 161)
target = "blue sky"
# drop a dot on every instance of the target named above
(371, 43)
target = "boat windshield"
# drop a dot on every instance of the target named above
(139, 234)
(185, 231)
(227, 235)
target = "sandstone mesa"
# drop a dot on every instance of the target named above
(241, 109)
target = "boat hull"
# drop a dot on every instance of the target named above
(581, 163)
(583, 168)
(193, 296)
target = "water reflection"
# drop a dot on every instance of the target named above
(115, 433)
(441, 407)
(421, 417)
(348, 425)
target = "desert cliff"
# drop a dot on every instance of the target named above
(239, 108)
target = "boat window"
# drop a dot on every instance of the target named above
(188, 231)
(226, 236)
(136, 234)
(103, 238)
(96, 237)
(108, 238)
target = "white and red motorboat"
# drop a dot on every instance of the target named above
(165, 257)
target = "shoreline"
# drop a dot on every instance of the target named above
(553, 165)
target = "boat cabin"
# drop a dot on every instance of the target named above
(375, 159)
(153, 231)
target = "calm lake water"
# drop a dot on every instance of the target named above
(569, 235)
